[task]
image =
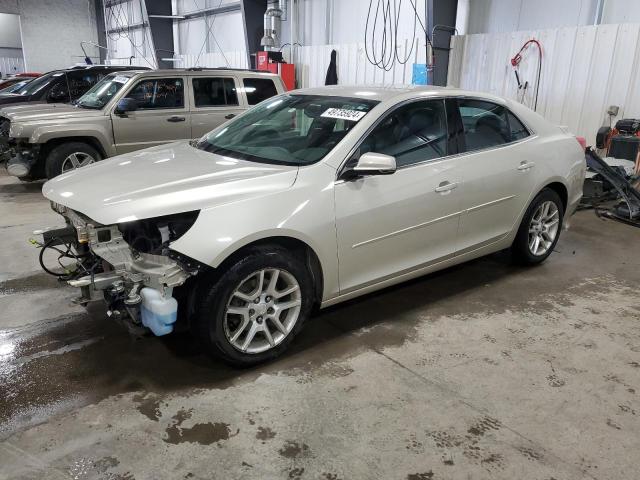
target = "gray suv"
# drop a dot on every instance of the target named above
(127, 111)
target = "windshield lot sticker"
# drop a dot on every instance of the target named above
(343, 114)
(121, 79)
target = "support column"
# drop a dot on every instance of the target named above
(102, 31)
(252, 18)
(161, 30)
(441, 14)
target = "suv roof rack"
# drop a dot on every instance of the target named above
(202, 69)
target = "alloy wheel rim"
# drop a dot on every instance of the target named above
(77, 160)
(543, 228)
(262, 310)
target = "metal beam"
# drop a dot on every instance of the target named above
(252, 18)
(160, 16)
(102, 32)
(227, 8)
(126, 28)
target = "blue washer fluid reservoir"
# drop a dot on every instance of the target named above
(158, 313)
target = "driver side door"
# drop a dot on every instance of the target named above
(389, 225)
(161, 117)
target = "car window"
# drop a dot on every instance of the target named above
(58, 92)
(157, 93)
(214, 92)
(485, 124)
(412, 133)
(103, 91)
(80, 82)
(259, 89)
(517, 130)
(289, 129)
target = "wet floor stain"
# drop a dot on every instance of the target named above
(292, 449)
(202, 433)
(265, 433)
(296, 473)
(87, 468)
(484, 425)
(148, 405)
(30, 283)
(421, 476)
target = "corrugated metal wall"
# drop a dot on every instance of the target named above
(10, 65)
(584, 70)
(353, 66)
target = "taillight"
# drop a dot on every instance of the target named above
(583, 142)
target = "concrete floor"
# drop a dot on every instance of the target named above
(481, 371)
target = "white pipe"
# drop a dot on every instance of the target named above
(599, 11)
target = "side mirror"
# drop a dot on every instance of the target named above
(126, 105)
(372, 163)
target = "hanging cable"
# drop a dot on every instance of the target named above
(515, 63)
(383, 25)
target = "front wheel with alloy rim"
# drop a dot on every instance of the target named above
(70, 156)
(252, 311)
(540, 228)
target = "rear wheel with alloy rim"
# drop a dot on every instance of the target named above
(252, 311)
(70, 156)
(540, 228)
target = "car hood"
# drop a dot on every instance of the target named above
(45, 111)
(164, 180)
(11, 98)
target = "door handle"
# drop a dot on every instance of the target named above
(445, 187)
(175, 119)
(230, 116)
(524, 166)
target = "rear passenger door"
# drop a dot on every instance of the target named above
(497, 170)
(161, 116)
(214, 100)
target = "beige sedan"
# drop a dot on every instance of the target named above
(311, 198)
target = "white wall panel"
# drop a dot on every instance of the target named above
(353, 67)
(585, 69)
(11, 65)
(236, 59)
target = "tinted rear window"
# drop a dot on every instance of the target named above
(259, 89)
(214, 92)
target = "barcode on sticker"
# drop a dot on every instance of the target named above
(343, 114)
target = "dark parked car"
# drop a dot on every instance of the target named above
(17, 78)
(62, 86)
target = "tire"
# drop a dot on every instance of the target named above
(214, 326)
(58, 158)
(548, 232)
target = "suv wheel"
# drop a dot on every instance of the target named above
(540, 229)
(252, 311)
(69, 156)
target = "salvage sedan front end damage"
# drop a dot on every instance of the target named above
(136, 283)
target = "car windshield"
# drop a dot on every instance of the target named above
(14, 87)
(39, 83)
(103, 91)
(289, 129)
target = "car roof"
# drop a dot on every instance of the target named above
(386, 93)
(205, 71)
